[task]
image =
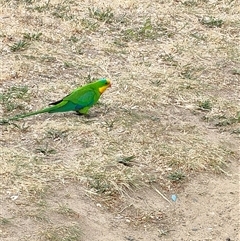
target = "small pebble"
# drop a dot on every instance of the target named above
(174, 197)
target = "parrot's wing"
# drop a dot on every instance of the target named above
(82, 98)
(56, 102)
(79, 97)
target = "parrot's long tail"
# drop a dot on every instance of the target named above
(60, 106)
(17, 117)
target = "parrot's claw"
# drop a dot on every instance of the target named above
(81, 114)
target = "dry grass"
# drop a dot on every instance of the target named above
(175, 72)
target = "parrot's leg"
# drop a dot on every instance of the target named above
(78, 113)
(81, 114)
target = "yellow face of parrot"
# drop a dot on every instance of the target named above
(107, 83)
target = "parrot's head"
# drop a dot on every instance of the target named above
(103, 84)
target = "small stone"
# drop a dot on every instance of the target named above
(14, 197)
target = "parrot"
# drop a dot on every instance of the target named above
(80, 100)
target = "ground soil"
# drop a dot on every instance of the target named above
(206, 209)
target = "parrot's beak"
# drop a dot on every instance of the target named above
(109, 83)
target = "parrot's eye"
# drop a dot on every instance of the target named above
(107, 82)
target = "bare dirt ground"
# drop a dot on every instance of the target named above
(169, 127)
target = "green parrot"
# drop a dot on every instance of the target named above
(80, 100)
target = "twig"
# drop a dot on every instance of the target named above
(125, 208)
(162, 195)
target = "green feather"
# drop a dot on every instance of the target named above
(80, 100)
